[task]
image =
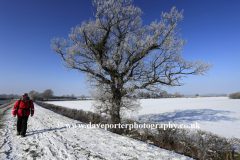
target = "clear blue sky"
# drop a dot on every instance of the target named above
(212, 28)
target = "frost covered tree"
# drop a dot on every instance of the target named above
(72, 96)
(47, 94)
(83, 97)
(120, 55)
(67, 96)
(34, 95)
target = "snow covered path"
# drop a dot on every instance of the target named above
(48, 138)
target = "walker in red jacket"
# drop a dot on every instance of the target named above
(23, 108)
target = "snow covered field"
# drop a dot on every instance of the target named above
(48, 138)
(219, 115)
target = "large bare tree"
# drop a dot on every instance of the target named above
(120, 55)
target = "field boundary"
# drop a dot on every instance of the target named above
(198, 144)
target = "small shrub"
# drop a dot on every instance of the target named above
(234, 95)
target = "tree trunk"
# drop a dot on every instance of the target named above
(115, 115)
(115, 111)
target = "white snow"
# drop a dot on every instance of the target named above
(80, 104)
(218, 115)
(49, 138)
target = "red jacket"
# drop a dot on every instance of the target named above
(24, 108)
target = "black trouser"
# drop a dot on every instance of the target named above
(22, 124)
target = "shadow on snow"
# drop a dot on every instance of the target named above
(189, 116)
(29, 133)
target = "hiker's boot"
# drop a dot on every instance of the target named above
(18, 133)
(22, 135)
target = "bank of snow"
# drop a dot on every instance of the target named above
(48, 138)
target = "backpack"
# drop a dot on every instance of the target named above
(23, 109)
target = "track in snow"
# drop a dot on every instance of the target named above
(48, 138)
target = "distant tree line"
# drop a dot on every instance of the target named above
(214, 95)
(47, 94)
(234, 95)
(162, 94)
(67, 96)
(34, 95)
(9, 96)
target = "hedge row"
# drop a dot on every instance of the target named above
(198, 144)
(78, 114)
